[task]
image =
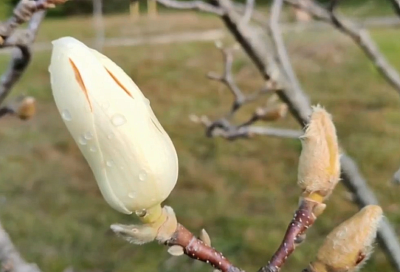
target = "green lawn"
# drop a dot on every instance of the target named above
(243, 192)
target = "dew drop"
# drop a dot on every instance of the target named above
(118, 120)
(110, 163)
(147, 101)
(110, 136)
(66, 115)
(142, 176)
(88, 135)
(82, 140)
(93, 149)
(132, 195)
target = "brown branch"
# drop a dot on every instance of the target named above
(303, 218)
(359, 35)
(198, 250)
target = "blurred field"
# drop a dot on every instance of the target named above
(243, 192)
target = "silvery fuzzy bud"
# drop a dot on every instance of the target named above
(132, 157)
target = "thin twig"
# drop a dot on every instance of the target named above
(222, 128)
(228, 80)
(300, 108)
(279, 45)
(20, 60)
(303, 219)
(24, 11)
(248, 12)
(359, 35)
(255, 46)
(195, 5)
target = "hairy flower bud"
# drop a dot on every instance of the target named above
(349, 245)
(272, 113)
(27, 108)
(132, 157)
(319, 166)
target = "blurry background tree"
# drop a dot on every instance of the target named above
(227, 188)
(118, 6)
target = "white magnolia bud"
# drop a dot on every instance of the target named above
(132, 157)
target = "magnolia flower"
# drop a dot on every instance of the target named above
(132, 157)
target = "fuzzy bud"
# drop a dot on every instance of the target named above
(319, 166)
(26, 109)
(273, 113)
(349, 245)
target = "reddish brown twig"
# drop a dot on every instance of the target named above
(303, 219)
(198, 250)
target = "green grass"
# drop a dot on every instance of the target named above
(243, 192)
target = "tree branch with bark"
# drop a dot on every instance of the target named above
(270, 57)
(32, 12)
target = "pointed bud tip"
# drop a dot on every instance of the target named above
(349, 245)
(319, 166)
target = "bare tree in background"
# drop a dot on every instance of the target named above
(98, 22)
(269, 55)
(21, 40)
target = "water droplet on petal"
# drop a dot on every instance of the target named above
(110, 136)
(82, 140)
(132, 195)
(66, 115)
(93, 149)
(88, 135)
(147, 101)
(141, 213)
(110, 163)
(142, 176)
(118, 120)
